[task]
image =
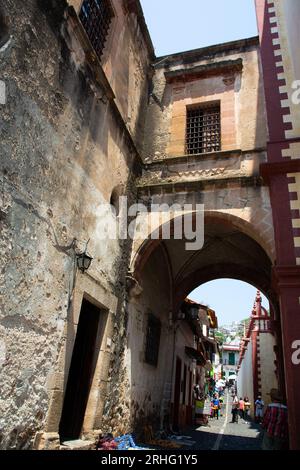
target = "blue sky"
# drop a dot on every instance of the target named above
(177, 25)
(232, 300)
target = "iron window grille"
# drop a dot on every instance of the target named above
(203, 130)
(152, 340)
(96, 17)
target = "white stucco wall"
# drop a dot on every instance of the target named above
(267, 357)
(227, 368)
(245, 378)
(292, 12)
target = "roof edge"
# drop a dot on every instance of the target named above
(210, 50)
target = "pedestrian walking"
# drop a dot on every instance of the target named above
(221, 406)
(216, 406)
(275, 423)
(259, 409)
(241, 408)
(235, 410)
(247, 408)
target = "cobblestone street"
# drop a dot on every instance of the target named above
(224, 435)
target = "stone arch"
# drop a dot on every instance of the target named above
(142, 249)
(229, 271)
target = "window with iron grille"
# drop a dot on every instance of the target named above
(203, 130)
(152, 340)
(96, 16)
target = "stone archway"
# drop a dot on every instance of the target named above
(165, 270)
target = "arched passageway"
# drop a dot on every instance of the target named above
(163, 273)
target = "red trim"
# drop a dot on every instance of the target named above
(254, 364)
(282, 219)
(274, 172)
(286, 277)
(273, 97)
(289, 291)
(267, 170)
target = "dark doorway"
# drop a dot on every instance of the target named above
(177, 393)
(81, 372)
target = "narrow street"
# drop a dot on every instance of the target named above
(224, 435)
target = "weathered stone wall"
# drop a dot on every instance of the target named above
(125, 61)
(150, 386)
(64, 148)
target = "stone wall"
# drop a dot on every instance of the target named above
(66, 144)
(149, 385)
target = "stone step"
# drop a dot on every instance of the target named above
(77, 445)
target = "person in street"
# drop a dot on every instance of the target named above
(259, 409)
(221, 406)
(197, 392)
(235, 410)
(275, 423)
(216, 406)
(247, 408)
(241, 408)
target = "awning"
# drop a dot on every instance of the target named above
(212, 318)
(194, 354)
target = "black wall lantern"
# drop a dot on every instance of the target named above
(84, 260)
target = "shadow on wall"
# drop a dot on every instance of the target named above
(4, 29)
(148, 381)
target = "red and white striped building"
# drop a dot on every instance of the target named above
(257, 367)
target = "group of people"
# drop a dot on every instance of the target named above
(273, 419)
(216, 404)
(240, 408)
(207, 405)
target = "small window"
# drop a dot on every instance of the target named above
(152, 340)
(203, 130)
(96, 16)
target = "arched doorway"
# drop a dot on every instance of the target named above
(166, 273)
(244, 336)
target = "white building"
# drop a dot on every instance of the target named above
(230, 360)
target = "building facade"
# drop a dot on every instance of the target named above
(70, 145)
(257, 365)
(230, 355)
(278, 23)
